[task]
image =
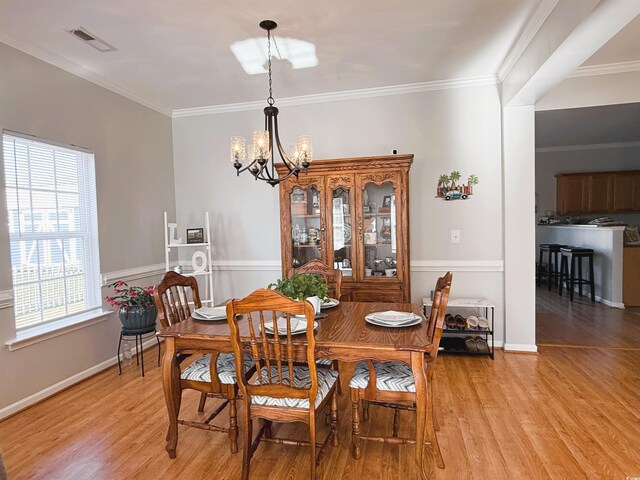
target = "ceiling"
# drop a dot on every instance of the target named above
(623, 47)
(176, 54)
(588, 126)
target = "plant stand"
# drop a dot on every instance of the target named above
(138, 335)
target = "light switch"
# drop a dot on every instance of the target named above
(455, 236)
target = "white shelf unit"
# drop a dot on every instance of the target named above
(207, 273)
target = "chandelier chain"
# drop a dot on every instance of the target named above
(270, 100)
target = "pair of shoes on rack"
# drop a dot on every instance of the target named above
(455, 323)
(477, 323)
(476, 344)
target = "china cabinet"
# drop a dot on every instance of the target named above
(353, 214)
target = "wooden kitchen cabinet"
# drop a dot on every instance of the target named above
(626, 192)
(598, 192)
(352, 214)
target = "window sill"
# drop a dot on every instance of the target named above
(40, 333)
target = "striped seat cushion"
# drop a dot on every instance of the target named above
(325, 362)
(301, 379)
(199, 371)
(390, 376)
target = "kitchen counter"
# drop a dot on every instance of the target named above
(607, 243)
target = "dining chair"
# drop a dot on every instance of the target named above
(213, 374)
(284, 390)
(391, 384)
(333, 277)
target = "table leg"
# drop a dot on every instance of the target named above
(171, 383)
(422, 410)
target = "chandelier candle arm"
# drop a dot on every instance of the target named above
(262, 150)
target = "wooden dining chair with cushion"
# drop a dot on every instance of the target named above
(284, 390)
(333, 277)
(213, 374)
(391, 384)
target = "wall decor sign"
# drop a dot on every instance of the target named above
(195, 235)
(450, 188)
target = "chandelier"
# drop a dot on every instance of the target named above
(300, 154)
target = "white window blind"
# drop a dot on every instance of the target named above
(53, 229)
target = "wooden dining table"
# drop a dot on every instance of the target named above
(343, 334)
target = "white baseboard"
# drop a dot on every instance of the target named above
(66, 383)
(609, 303)
(520, 347)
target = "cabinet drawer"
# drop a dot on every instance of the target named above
(381, 295)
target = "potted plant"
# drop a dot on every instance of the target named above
(303, 286)
(136, 309)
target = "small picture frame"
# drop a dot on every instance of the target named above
(386, 201)
(195, 235)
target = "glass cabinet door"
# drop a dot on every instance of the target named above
(343, 253)
(307, 225)
(378, 230)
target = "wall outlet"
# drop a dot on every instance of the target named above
(455, 236)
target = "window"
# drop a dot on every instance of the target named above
(53, 229)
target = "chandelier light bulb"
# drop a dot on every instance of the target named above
(237, 152)
(305, 150)
(294, 155)
(261, 145)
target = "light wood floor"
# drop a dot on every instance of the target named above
(584, 323)
(567, 413)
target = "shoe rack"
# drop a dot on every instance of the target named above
(461, 333)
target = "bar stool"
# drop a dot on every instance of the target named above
(138, 334)
(571, 256)
(552, 272)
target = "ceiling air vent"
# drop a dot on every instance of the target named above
(90, 39)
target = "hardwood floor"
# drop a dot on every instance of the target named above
(565, 413)
(583, 323)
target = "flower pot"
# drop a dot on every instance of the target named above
(316, 302)
(137, 317)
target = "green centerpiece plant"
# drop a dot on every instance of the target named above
(303, 286)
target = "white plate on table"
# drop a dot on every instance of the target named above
(329, 303)
(393, 319)
(298, 326)
(210, 313)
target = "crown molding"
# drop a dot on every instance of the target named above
(593, 146)
(341, 96)
(82, 72)
(606, 69)
(528, 33)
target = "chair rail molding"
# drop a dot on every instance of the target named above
(134, 273)
(416, 265)
(6, 299)
(457, 265)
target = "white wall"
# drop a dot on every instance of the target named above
(548, 164)
(456, 129)
(134, 175)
